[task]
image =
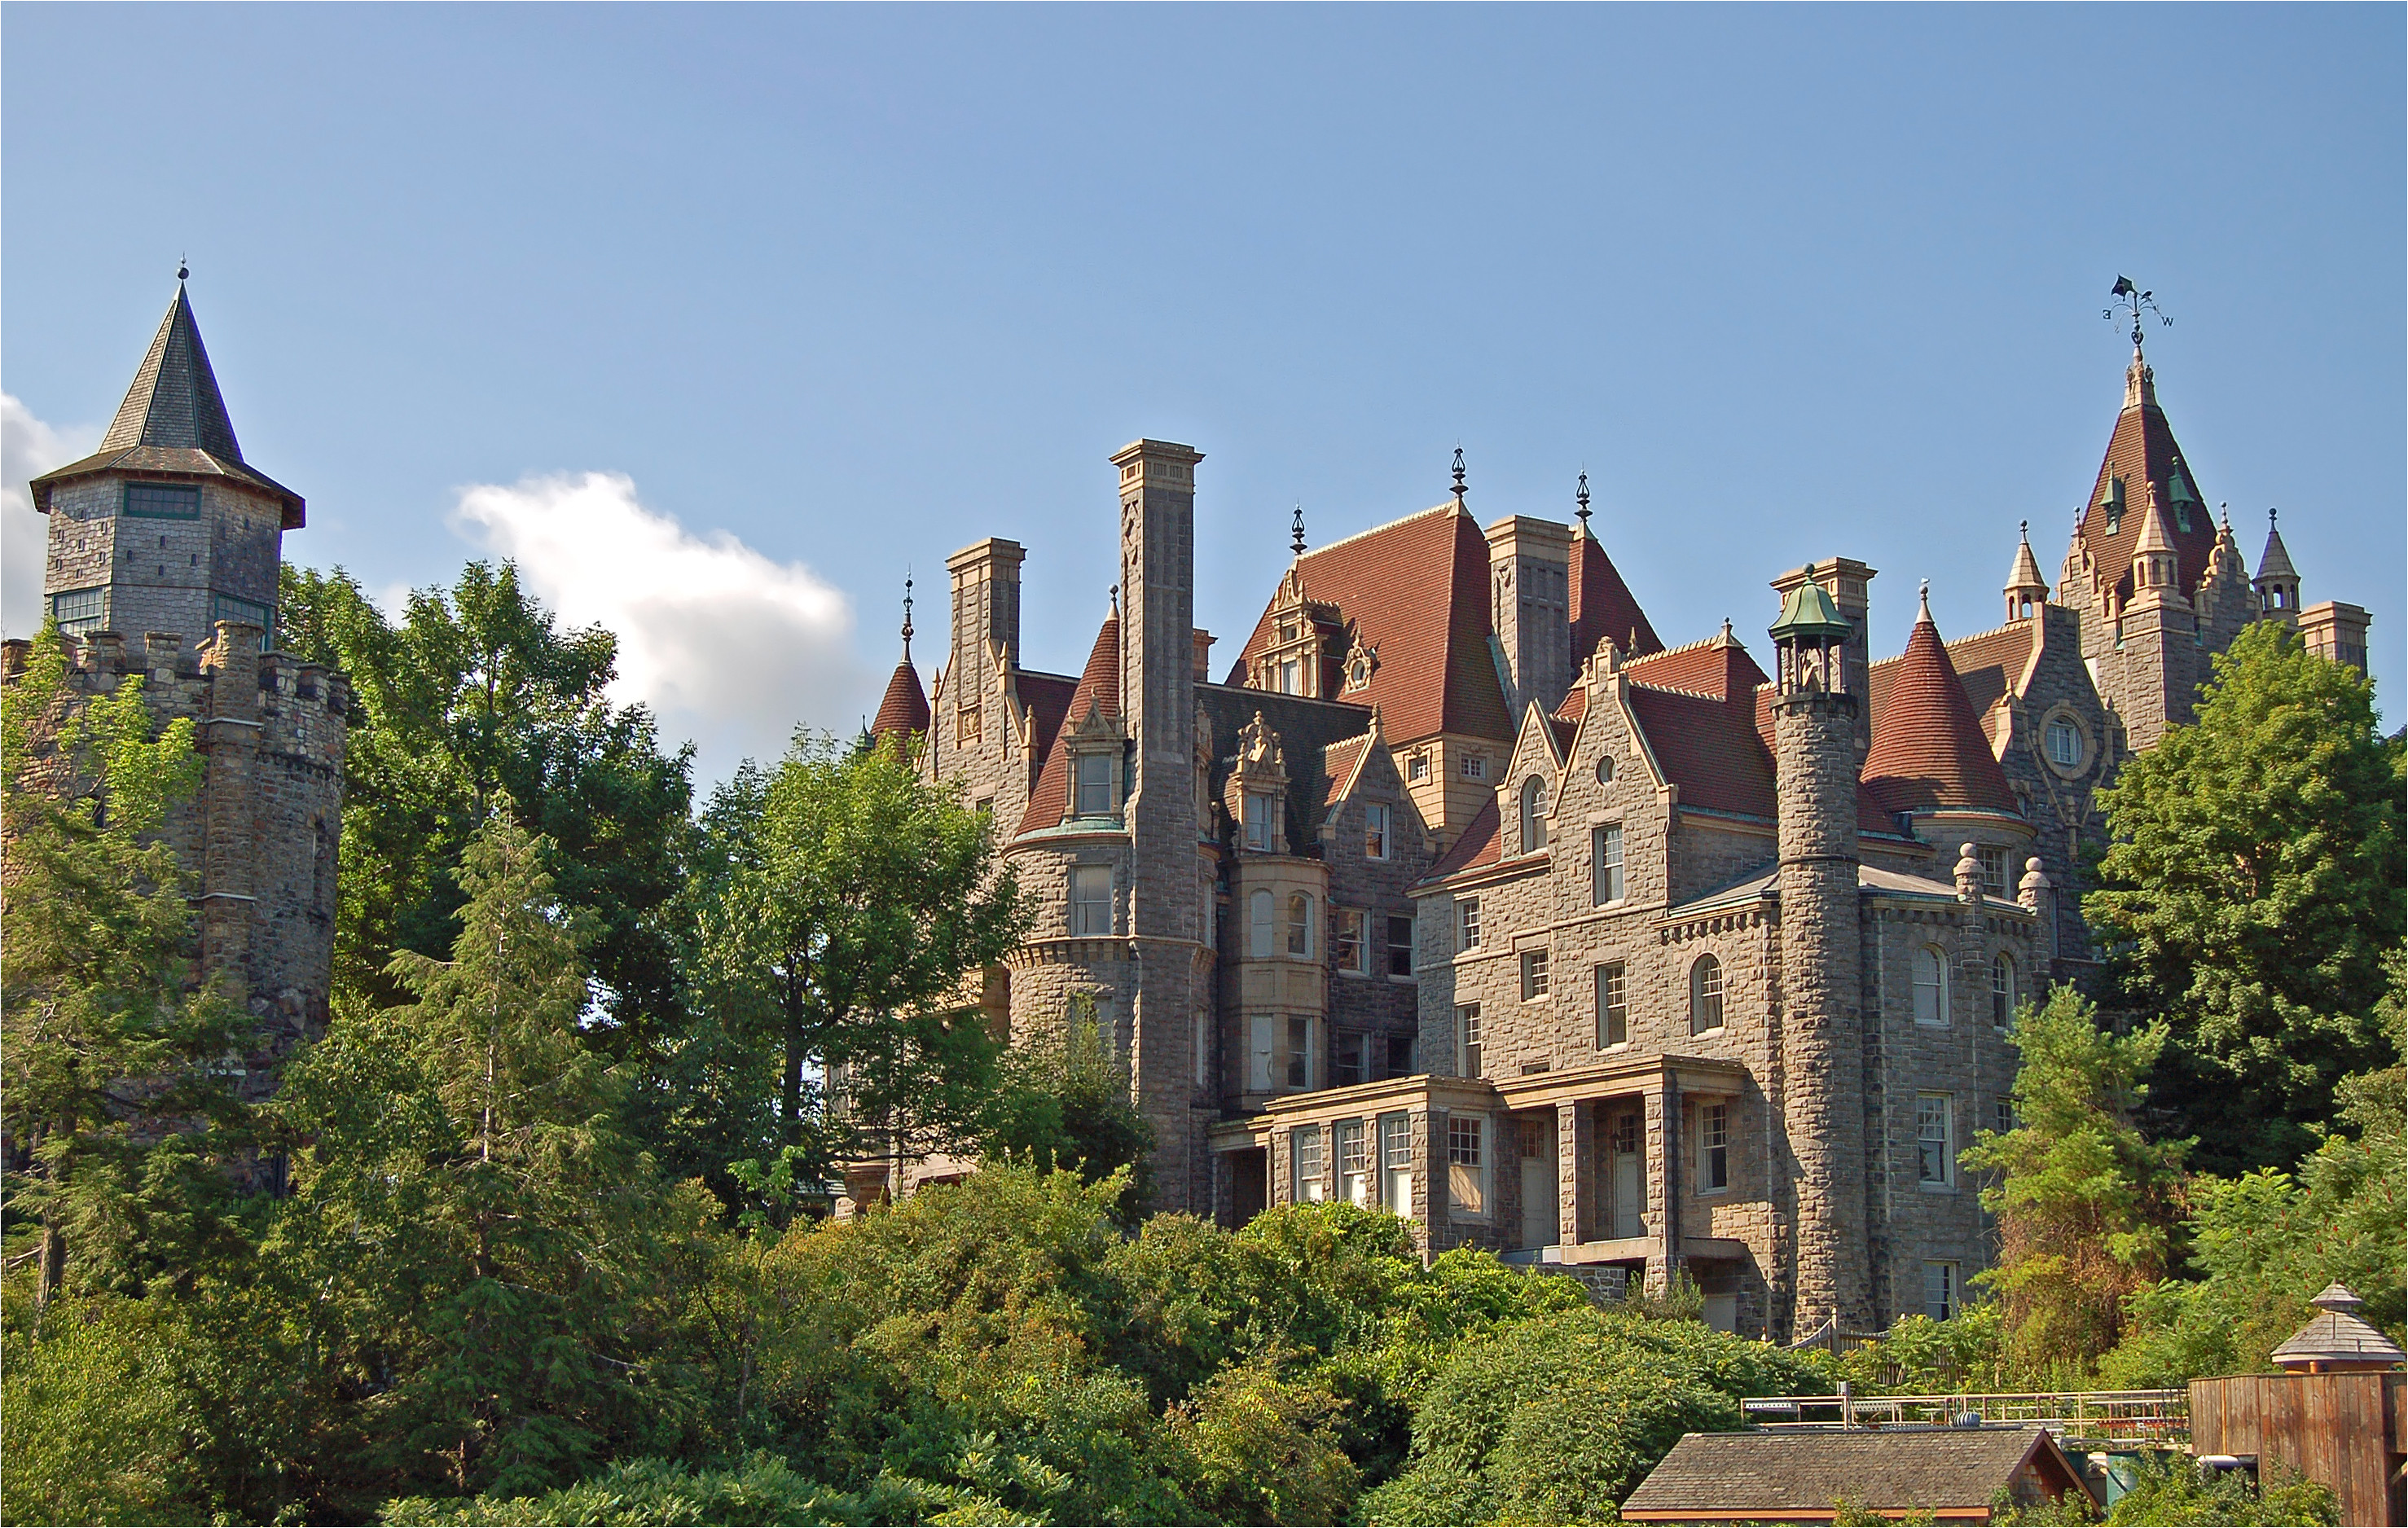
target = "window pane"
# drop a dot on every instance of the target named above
(1705, 995)
(1259, 912)
(1612, 1007)
(1304, 1145)
(1467, 1033)
(1350, 954)
(1259, 821)
(1608, 851)
(1346, 1059)
(1299, 925)
(1931, 986)
(1469, 909)
(1091, 900)
(2002, 991)
(1534, 973)
(1400, 947)
(1095, 784)
(80, 611)
(1375, 831)
(1299, 1052)
(163, 501)
(1934, 1123)
(1400, 1055)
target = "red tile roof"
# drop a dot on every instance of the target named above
(1478, 847)
(1337, 762)
(1718, 666)
(1602, 606)
(905, 707)
(1988, 664)
(1928, 748)
(1099, 692)
(1047, 698)
(2142, 448)
(1415, 590)
(1708, 747)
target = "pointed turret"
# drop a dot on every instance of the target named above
(173, 421)
(2277, 582)
(2142, 458)
(1929, 752)
(2156, 563)
(2027, 590)
(904, 710)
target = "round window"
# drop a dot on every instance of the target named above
(1605, 770)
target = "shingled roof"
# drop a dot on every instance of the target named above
(1098, 693)
(173, 421)
(1602, 606)
(904, 710)
(2142, 452)
(1718, 666)
(1797, 1476)
(1415, 590)
(1929, 752)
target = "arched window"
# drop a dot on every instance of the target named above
(2002, 989)
(1705, 995)
(1299, 926)
(1258, 907)
(1931, 986)
(1534, 815)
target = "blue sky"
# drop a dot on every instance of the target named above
(719, 318)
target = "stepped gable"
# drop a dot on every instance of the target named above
(904, 709)
(1098, 693)
(1929, 752)
(1602, 606)
(173, 421)
(1479, 846)
(2142, 451)
(1415, 591)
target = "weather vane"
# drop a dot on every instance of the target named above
(2132, 300)
(1296, 531)
(1582, 499)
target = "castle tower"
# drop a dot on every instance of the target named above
(1849, 585)
(1815, 714)
(2158, 660)
(2027, 590)
(2277, 582)
(1169, 879)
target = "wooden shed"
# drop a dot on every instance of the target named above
(2335, 1416)
(1798, 1475)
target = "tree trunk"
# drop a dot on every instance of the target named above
(792, 1103)
(51, 1265)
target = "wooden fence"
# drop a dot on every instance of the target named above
(2343, 1429)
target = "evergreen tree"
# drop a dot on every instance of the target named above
(116, 1071)
(2083, 1199)
(2251, 888)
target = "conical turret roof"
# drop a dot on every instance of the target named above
(2154, 536)
(2025, 573)
(173, 421)
(2277, 563)
(904, 710)
(1929, 752)
(1602, 606)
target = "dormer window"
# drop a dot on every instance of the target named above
(1259, 821)
(1095, 785)
(1291, 676)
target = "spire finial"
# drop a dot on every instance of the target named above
(183, 271)
(2024, 527)
(1296, 531)
(1923, 616)
(2132, 300)
(907, 615)
(1580, 498)
(2271, 513)
(2227, 507)
(1458, 473)
(1115, 597)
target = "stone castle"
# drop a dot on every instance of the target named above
(164, 551)
(1461, 893)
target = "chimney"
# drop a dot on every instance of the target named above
(1529, 606)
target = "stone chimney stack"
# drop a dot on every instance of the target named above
(986, 609)
(1530, 599)
(1817, 713)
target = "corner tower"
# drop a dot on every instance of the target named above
(1821, 1173)
(165, 528)
(1169, 879)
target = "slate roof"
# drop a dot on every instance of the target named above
(2143, 450)
(904, 709)
(2338, 1334)
(1099, 691)
(1417, 591)
(173, 421)
(1320, 742)
(1795, 1475)
(1929, 752)
(1602, 606)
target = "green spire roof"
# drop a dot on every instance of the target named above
(1807, 612)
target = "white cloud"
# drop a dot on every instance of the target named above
(727, 646)
(28, 448)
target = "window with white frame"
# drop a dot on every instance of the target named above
(1467, 916)
(1352, 952)
(2064, 743)
(1998, 870)
(1299, 925)
(1095, 785)
(1612, 1007)
(1312, 1183)
(1400, 946)
(1705, 994)
(1260, 1036)
(1397, 1165)
(1353, 1163)
(2002, 1115)
(1299, 1052)
(1291, 676)
(1466, 1038)
(1713, 1148)
(1534, 815)
(80, 611)
(1258, 819)
(1605, 849)
(1258, 926)
(1091, 900)
(1935, 1140)
(1375, 830)
(1930, 985)
(1475, 767)
(1467, 1166)
(1534, 973)
(1939, 1291)
(2002, 989)
(1417, 767)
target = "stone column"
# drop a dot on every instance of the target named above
(1575, 1155)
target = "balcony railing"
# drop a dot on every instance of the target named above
(2148, 1417)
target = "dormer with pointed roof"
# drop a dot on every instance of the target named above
(165, 528)
(2155, 578)
(1092, 738)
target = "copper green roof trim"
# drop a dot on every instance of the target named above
(1808, 612)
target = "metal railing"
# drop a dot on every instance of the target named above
(2149, 1418)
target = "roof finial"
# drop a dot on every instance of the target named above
(1923, 617)
(1115, 597)
(1459, 473)
(2227, 507)
(2024, 527)
(1296, 531)
(2271, 513)
(907, 615)
(183, 271)
(1580, 498)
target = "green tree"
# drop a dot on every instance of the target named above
(2250, 889)
(2083, 1198)
(846, 900)
(477, 695)
(1064, 1103)
(115, 1075)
